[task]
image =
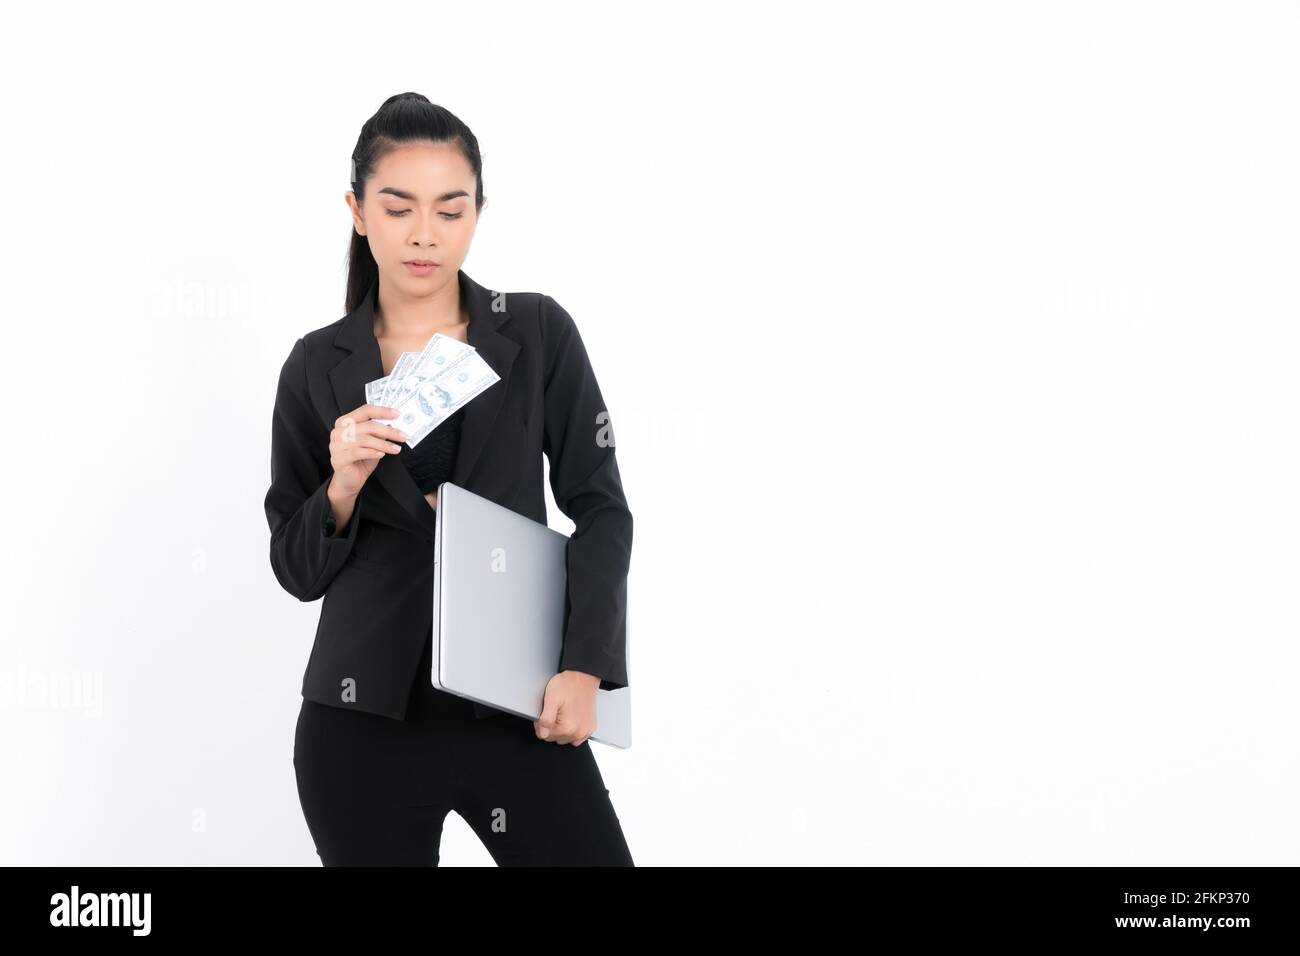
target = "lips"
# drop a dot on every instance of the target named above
(420, 262)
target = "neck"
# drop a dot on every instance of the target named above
(402, 316)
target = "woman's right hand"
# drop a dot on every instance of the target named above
(357, 445)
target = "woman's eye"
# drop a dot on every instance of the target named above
(398, 213)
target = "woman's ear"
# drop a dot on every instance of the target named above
(358, 222)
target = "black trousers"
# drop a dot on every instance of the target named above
(375, 791)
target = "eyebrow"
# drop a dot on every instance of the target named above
(403, 194)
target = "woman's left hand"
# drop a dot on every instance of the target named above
(568, 708)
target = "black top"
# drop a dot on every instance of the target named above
(431, 461)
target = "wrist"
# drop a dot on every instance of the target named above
(341, 510)
(335, 496)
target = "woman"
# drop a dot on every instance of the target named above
(380, 755)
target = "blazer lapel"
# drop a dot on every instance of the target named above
(487, 313)
(364, 364)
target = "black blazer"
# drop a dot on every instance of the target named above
(377, 578)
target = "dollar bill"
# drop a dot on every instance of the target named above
(407, 377)
(375, 391)
(404, 362)
(435, 398)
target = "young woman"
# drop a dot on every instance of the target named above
(380, 755)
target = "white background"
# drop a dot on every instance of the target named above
(952, 354)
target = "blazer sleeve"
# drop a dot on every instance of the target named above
(305, 555)
(578, 442)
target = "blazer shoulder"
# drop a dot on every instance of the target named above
(556, 326)
(323, 337)
(315, 348)
(551, 317)
(524, 305)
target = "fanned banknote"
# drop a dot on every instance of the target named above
(375, 390)
(435, 399)
(428, 387)
(404, 362)
(409, 374)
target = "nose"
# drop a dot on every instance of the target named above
(423, 233)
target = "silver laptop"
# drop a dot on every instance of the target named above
(499, 584)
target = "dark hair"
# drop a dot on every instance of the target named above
(404, 118)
